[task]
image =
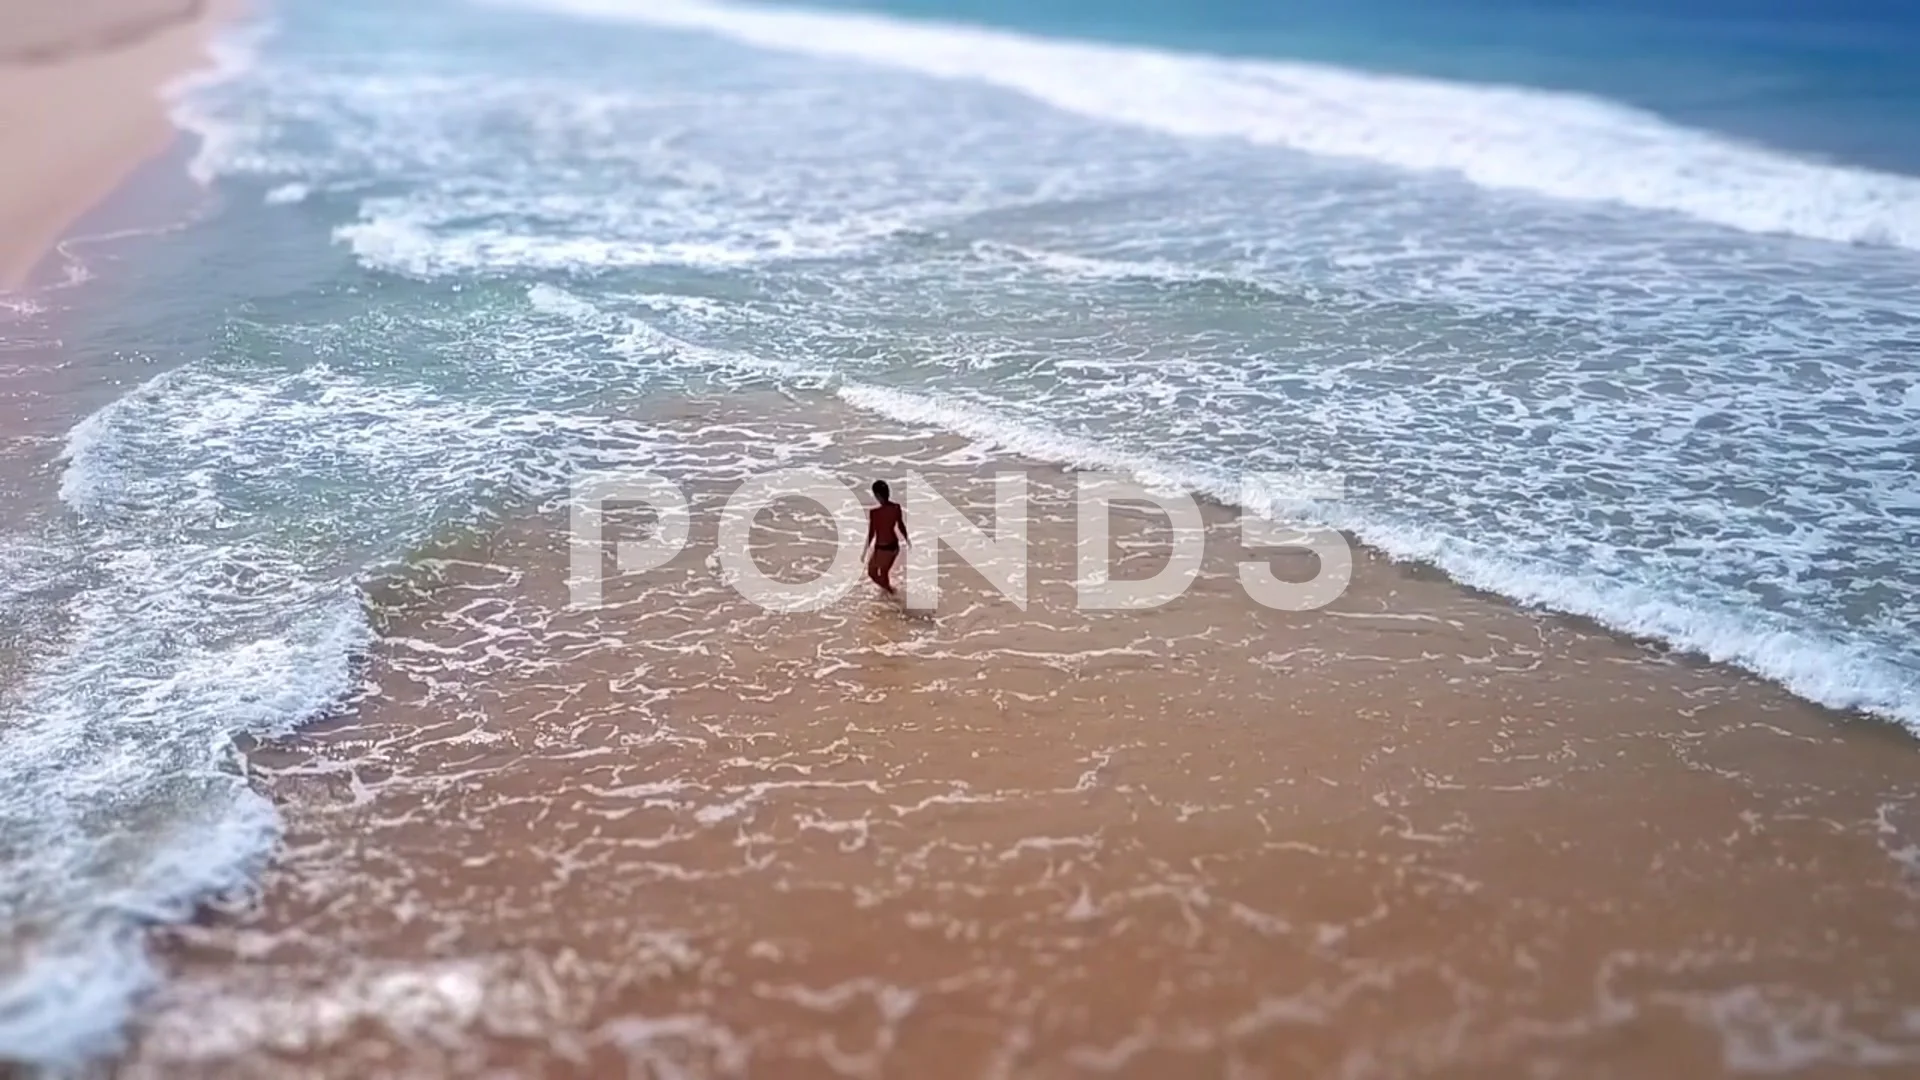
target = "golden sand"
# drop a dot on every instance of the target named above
(80, 107)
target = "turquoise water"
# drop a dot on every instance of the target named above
(1610, 309)
(1832, 80)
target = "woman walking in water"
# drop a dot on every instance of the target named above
(886, 530)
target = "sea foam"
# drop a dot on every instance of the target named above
(1554, 144)
(1822, 668)
(190, 616)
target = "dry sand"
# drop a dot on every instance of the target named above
(1419, 833)
(80, 107)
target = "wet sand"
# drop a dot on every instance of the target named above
(1417, 833)
(80, 107)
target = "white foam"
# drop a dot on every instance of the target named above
(1083, 268)
(1561, 145)
(231, 53)
(125, 800)
(122, 779)
(637, 339)
(288, 194)
(403, 246)
(557, 301)
(123, 793)
(436, 999)
(1832, 672)
(72, 1001)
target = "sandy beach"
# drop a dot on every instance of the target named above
(1421, 832)
(80, 107)
(309, 766)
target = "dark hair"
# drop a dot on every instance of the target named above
(880, 490)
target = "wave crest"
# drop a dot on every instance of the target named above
(1555, 144)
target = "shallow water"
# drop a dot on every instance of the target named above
(1417, 833)
(1571, 351)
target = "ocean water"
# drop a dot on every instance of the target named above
(1611, 309)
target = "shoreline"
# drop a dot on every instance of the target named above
(1214, 834)
(82, 94)
(1209, 840)
(1871, 689)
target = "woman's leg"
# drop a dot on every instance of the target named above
(880, 565)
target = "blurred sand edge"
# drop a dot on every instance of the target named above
(81, 107)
